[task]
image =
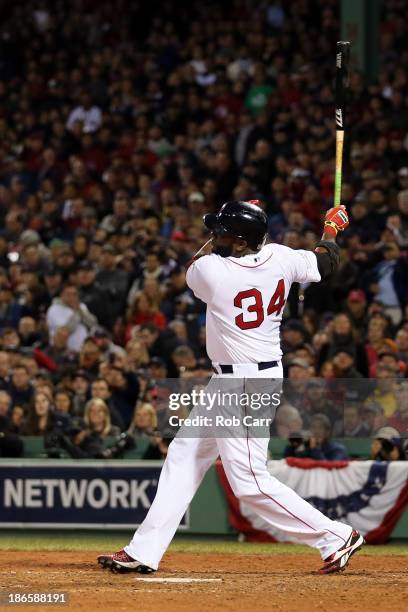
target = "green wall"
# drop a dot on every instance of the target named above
(208, 510)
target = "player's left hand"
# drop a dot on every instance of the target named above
(336, 220)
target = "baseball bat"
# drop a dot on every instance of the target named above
(202, 248)
(342, 63)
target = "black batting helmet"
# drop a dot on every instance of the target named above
(244, 220)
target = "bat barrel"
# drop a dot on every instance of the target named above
(342, 61)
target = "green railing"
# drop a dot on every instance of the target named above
(358, 448)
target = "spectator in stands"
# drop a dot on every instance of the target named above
(352, 424)
(159, 344)
(103, 182)
(63, 402)
(373, 416)
(144, 422)
(287, 420)
(97, 418)
(318, 399)
(399, 420)
(10, 444)
(293, 335)
(5, 404)
(90, 357)
(389, 281)
(53, 285)
(92, 293)
(17, 420)
(114, 280)
(376, 337)
(356, 309)
(387, 445)
(21, 389)
(384, 393)
(344, 364)
(144, 310)
(299, 374)
(100, 390)
(58, 351)
(401, 340)
(40, 419)
(320, 446)
(342, 336)
(86, 116)
(4, 370)
(10, 310)
(124, 387)
(67, 311)
(80, 388)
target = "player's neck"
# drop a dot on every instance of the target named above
(243, 253)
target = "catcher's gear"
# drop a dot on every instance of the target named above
(336, 220)
(244, 220)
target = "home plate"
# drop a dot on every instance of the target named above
(179, 580)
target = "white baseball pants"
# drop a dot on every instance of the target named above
(244, 461)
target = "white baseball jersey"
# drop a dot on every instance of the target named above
(245, 298)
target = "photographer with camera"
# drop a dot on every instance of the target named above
(317, 443)
(86, 439)
(387, 445)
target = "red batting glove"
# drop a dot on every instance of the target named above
(336, 220)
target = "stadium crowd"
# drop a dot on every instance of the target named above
(114, 143)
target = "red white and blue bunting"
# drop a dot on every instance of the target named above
(369, 495)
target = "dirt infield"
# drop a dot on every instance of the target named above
(249, 582)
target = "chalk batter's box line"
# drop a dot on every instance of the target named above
(179, 580)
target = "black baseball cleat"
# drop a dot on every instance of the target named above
(338, 561)
(121, 562)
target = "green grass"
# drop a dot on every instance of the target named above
(107, 541)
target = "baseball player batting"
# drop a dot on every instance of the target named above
(245, 284)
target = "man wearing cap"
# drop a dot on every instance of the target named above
(387, 446)
(114, 280)
(343, 361)
(356, 308)
(10, 310)
(53, 282)
(293, 335)
(93, 294)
